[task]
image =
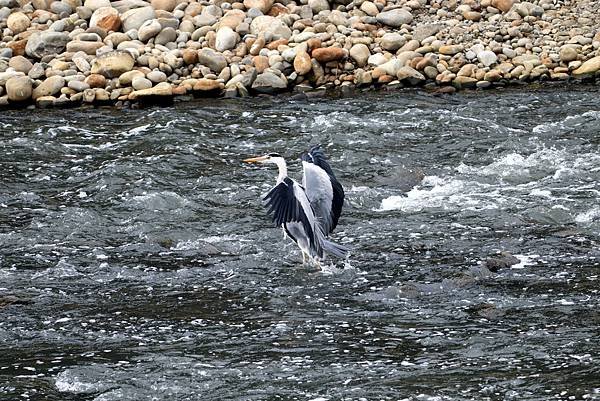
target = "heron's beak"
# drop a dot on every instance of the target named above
(259, 159)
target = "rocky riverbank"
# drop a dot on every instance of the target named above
(69, 52)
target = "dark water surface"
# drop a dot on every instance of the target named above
(136, 262)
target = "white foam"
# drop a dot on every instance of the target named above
(589, 216)
(524, 260)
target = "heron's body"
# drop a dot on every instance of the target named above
(307, 213)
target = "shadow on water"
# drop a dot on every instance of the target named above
(137, 262)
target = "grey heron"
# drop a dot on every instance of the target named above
(307, 213)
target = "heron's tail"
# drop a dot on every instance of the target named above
(334, 249)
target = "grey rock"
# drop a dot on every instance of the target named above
(46, 43)
(78, 86)
(149, 29)
(426, 30)
(167, 35)
(269, 82)
(140, 83)
(392, 41)
(156, 76)
(213, 60)
(135, 18)
(19, 88)
(395, 18)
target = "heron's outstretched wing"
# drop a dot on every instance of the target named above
(322, 188)
(287, 203)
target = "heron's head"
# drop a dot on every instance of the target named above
(273, 158)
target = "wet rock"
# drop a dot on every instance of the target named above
(503, 261)
(19, 89)
(395, 18)
(106, 18)
(46, 43)
(49, 87)
(113, 64)
(18, 22)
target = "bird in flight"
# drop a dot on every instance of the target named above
(308, 213)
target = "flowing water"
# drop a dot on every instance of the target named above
(137, 263)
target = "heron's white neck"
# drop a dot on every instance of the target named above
(280, 162)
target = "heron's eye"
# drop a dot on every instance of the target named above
(274, 155)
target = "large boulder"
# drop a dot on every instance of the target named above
(267, 24)
(45, 43)
(590, 67)
(113, 64)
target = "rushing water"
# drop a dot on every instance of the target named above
(136, 261)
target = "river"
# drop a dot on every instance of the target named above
(137, 263)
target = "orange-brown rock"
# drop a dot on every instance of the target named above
(179, 90)
(261, 63)
(385, 79)
(503, 5)
(18, 47)
(276, 43)
(96, 81)
(208, 85)
(278, 9)
(106, 18)
(327, 54)
(313, 43)
(302, 63)
(190, 56)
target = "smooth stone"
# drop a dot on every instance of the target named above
(161, 89)
(208, 85)
(270, 25)
(568, 54)
(165, 5)
(376, 59)
(226, 39)
(591, 66)
(232, 19)
(450, 49)
(167, 35)
(411, 75)
(263, 5)
(106, 18)
(149, 29)
(20, 63)
(360, 53)
(269, 83)
(135, 18)
(213, 60)
(141, 82)
(395, 18)
(369, 8)
(45, 101)
(113, 64)
(503, 5)
(95, 81)
(126, 78)
(392, 41)
(19, 89)
(82, 46)
(156, 76)
(487, 57)
(18, 22)
(424, 31)
(327, 54)
(318, 5)
(46, 43)
(49, 87)
(302, 63)
(78, 86)
(96, 4)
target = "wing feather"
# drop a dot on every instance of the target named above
(324, 191)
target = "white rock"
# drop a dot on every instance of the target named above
(487, 57)
(226, 39)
